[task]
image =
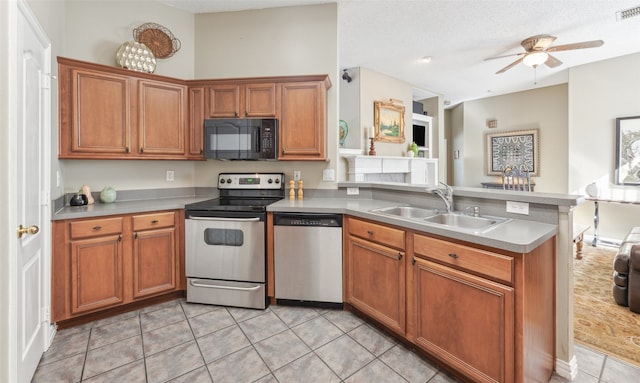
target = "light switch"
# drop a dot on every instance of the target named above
(328, 175)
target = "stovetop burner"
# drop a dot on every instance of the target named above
(244, 192)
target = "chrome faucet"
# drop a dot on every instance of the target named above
(446, 194)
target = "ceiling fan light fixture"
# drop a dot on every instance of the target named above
(534, 59)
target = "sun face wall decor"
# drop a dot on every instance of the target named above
(388, 122)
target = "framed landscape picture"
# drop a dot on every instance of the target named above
(515, 149)
(388, 122)
(628, 150)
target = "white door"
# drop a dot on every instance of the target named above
(32, 136)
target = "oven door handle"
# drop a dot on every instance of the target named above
(255, 219)
(196, 284)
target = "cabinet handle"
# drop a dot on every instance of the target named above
(413, 261)
(119, 238)
(141, 150)
(98, 227)
(126, 149)
(453, 255)
(135, 235)
(154, 221)
(201, 151)
(399, 256)
(370, 232)
(235, 114)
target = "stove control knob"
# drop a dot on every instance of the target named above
(222, 180)
(277, 180)
(270, 181)
(228, 180)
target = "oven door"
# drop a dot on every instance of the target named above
(231, 249)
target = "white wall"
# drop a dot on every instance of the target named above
(376, 86)
(598, 94)
(271, 42)
(544, 109)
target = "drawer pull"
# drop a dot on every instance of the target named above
(399, 256)
(370, 232)
(97, 227)
(154, 221)
(413, 261)
(135, 235)
(119, 238)
(453, 255)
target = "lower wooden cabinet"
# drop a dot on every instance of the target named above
(100, 263)
(96, 265)
(466, 321)
(154, 254)
(375, 273)
(489, 315)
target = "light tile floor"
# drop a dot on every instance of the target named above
(178, 341)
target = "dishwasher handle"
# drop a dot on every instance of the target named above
(307, 219)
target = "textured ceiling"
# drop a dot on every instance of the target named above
(391, 36)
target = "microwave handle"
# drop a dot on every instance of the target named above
(258, 150)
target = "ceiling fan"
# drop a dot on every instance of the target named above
(537, 50)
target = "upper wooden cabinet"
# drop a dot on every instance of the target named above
(303, 120)
(113, 113)
(298, 102)
(242, 100)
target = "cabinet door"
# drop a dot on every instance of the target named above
(196, 122)
(260, 100)
(154, 262)
(161, 118)
(224, 101)
(96, 273)
(466, 321)
(376, 282)
(302, 121)
(99, 114)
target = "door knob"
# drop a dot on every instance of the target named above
(27, 230)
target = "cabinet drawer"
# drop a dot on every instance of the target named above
(377, 233)
(95, 227)
(476, 261)
(153, 221)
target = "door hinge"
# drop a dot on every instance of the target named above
(46, 81)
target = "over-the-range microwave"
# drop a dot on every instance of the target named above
(241, 138)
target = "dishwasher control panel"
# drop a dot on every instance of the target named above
(327, 220)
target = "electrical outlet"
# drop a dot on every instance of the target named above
(328, 175)
(170, 175)
(518, 207)
(58, 178)
(353, 191)
(296, 175)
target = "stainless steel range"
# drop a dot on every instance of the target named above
(225, 241)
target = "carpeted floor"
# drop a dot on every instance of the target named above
(599, 322)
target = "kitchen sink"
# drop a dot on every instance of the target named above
(467, 222)
(407, 212)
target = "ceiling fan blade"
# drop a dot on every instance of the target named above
(552, 62)
(582, 45)
(518, 61)
(501, 57)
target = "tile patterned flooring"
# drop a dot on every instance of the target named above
(178, 341)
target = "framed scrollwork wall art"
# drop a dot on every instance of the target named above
(628, 150)
(515, 149)
(388, 122)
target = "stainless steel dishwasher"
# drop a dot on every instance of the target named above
(308, 257)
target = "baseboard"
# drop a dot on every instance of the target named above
(53, 329)
(567, 370)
